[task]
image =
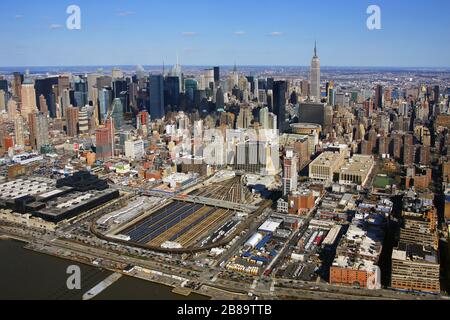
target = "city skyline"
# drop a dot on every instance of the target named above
(205, 33)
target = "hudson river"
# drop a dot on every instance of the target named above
(27, 275)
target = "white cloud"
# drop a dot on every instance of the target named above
(276, 34)
(189, 33)
(55, 26)
(239, 33)
(19, 16)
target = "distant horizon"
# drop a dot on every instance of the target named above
(446, 68)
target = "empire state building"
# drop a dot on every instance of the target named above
(315, 77)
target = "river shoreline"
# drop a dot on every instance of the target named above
(24, 243)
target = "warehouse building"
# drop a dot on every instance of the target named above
(357, 256)
(356, 170)
(55, 201)
(324, 167)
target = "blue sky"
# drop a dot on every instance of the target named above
(218, 32)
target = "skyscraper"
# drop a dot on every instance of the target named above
(105, 97)
(72, 121)
(38, 130)
(117, 113)
(379, 98)
(43, 105)
(156, 91)
(290, 174)
(171, 93)
(19, 131)
(16, 85)
(315, 77)
(279, 103)
(216, 74)
(28, 96)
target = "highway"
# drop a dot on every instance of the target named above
(281, 289)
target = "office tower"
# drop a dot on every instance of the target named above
(290, 174)
(38, 125)
(72, 121)
(116, 73)
(209, 79)
(216, 75)
(65, 101)
(332, 97)
(2, 101)
(4, 85)
(19, 131)
(251, 82)
(28, 96)
(436, 94)
(233, 78)
(378, 98)
(269, 85)
(17, 85)
(264, 118)
(177, 72)
(63, 84)
(156, 91)
(103, 81)
(120, 91)
(305, 88)
(315, 77)
(83, 120)
(117, 113)
(12, 109)
(80, 92)
(91, 85)
(190, 86)
(244, 119)
(105, 98)
(220, 100)
(171, 93)
(293, 98)
(44, 87)
(279, 103)
(134, 149)
(43, 105)
(103, 140)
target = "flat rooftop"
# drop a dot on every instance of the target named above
(358, 164)
(327, 159)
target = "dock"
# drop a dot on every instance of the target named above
(182, 291)
(99, 288)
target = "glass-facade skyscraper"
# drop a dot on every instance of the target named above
(156, 92)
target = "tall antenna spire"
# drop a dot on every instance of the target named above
(315, 48)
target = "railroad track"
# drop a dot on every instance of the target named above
(191, 237)
(166, 236)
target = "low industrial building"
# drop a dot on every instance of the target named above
(55, 201)
(324, 167)
(356, 170)
(356, 261)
